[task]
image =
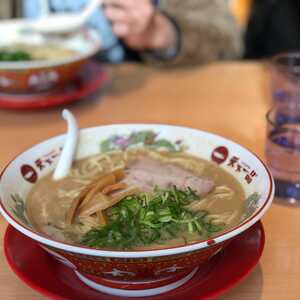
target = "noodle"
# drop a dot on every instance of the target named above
(38, 52)
(88, 198)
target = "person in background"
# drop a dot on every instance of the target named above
(165, 32)
(274, 27)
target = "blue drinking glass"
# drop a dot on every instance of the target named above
(283, 153)
(285, 82)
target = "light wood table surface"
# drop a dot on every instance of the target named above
(229, 99)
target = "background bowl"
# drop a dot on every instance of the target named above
(136, 273)
(42, 75)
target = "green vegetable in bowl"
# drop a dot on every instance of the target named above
(17, 55)
(147, 218)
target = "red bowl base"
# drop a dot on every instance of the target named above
(54, 280)
(136, 289)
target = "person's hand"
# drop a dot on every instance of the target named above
(140, 25)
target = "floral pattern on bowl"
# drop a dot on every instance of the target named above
(251, 204)
(144, 138)
(19, 209)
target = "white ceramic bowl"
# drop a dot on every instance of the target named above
(36, 76)
(136, 273)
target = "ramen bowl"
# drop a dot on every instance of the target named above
(136, 273)
(43, 74)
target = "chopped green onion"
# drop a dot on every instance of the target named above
(146, 218)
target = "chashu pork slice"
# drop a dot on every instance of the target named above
(146, 173)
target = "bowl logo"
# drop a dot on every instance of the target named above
(219, 155)
(5, 82)
(29, 173)
(43, 80)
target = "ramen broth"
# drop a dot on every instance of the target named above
(26, 52)
(211, 197)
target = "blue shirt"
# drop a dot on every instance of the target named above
(114, 50)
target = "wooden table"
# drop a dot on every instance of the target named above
(229, 99)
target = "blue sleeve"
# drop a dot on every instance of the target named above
(31, 8)
(114, 50)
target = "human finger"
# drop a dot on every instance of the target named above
(121, 29)
(116, 14)
(125, 4)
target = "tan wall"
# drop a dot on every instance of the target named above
(10, 8)
(5, 8)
